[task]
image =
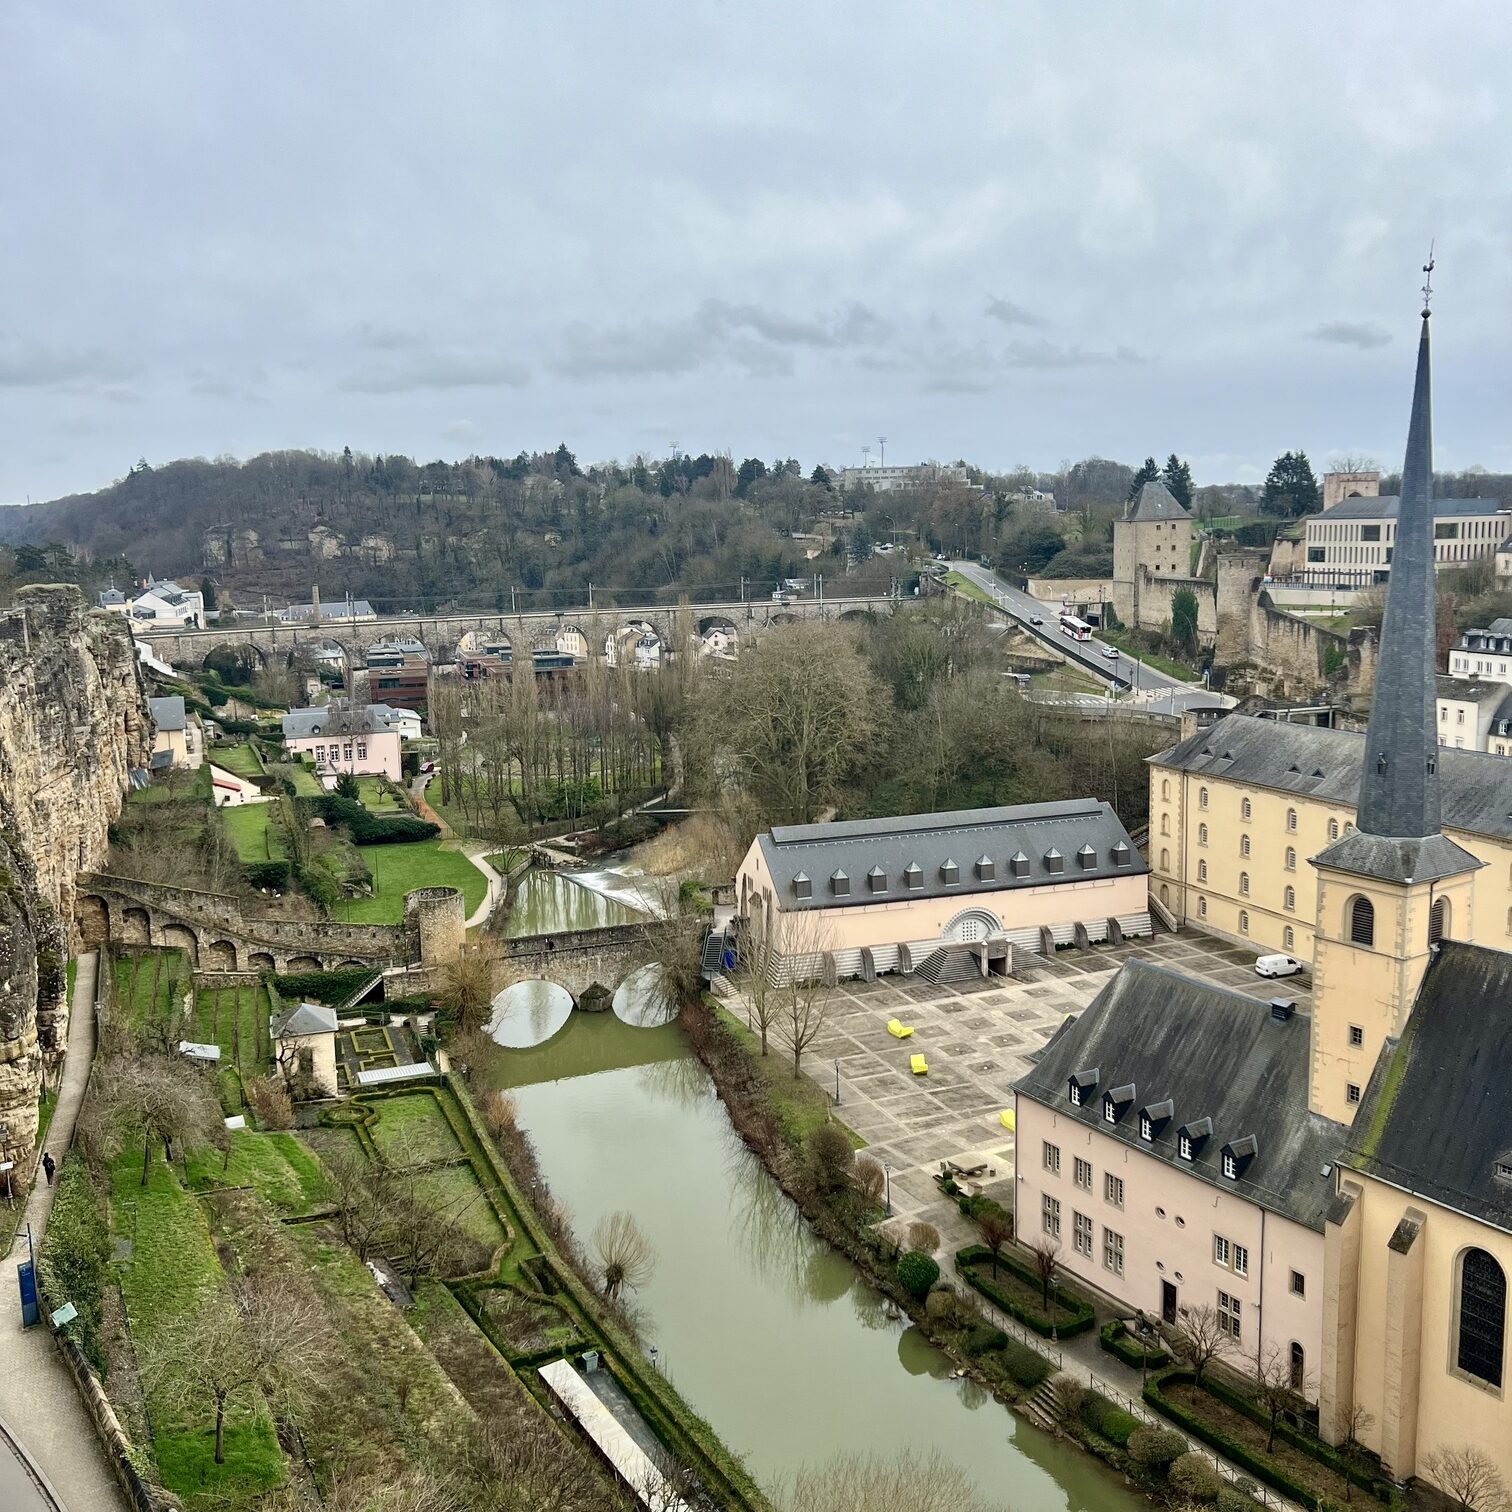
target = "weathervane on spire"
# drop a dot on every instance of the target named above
(1428, 282)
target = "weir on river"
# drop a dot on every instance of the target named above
(771, 1336)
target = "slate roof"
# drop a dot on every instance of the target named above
(1471, 690)
(1325, 764)
(303, 1018)
(1156, 502)
(1213, 1054)
(339, 610)
(1385, 507)
(336, 719)
(1031, 830)
(108, 596)
(1436, 1118)
(168, 713)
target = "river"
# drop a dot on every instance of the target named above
(770, 1335)
(553, 902)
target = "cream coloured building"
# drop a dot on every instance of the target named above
(867, 896)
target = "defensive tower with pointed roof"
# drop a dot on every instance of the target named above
(1393, 884)
(1155, 533)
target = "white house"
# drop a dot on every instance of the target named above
(229, 790)
(161, 605)
(405, 722)
(177, 737)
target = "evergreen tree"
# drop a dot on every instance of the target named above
(750, 470)
(820, 475)
(1291, 489)
(1177, 476)
(1184, 618)
(1148, 473)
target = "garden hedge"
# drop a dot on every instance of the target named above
(1083, 1315)
(1258, 1464)
(1108, 1419)
(366, 828)
(1028, 1367)
(274, 874)
(322, 986)
(1114, 1337)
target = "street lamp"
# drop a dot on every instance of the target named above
(837, 1083)
(887, 1176)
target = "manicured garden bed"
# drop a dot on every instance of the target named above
(412, 1130)
(1018, 1291)
(398, 869)
(1298, 1466)
(1115, 1337)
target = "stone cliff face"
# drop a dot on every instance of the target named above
(73, 721)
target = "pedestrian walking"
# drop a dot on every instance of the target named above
(49, 1165)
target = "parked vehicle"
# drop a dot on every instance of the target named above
(1277, 966)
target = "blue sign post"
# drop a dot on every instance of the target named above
(26, 1274)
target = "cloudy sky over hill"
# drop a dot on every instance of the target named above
(1006, 232)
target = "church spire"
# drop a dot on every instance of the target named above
(1399, 785)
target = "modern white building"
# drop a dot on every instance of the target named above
(1350, 544)
(882, 479)
(161, 604)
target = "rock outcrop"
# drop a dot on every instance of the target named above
(73, 721)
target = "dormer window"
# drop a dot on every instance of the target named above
(1154, 1118)
(986, 869)
(1086, 858)
(802, 886)
(1146, 1127)
(913, 875)
(1075, 1093)
(1191, 1137)
(876, 880)
(1121, 854)
(1081, 1086)
(950, 874)
(1019, 864)
(840, 884)
(1054, 861)
(1116, 1102)
(1184, 1146)
(1238, 1154)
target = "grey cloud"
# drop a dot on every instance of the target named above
(28, 363)
(755, 339)
(1010, 314)
(1049, 354)
(1361, 334)
(207, 384)
(441, 369)
(461, 430)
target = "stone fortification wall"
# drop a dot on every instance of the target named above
(73, 721)
(1156, 595)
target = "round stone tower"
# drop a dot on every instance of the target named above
(435, 921)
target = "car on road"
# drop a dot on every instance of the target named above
(1036, 619)
(1277, 966)
(1110, 653)
(427, 768)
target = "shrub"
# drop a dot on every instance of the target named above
(499, 1113)
(1155, 1448)
(1232, 1499)
(366, 828)
(941, 1306)
(323, 986)
(1067, 1395)
(1114, 1336)
(75, 1261)
(1082, 1314)
(869, 1177)
(1108, 1420)
(1194, 1478)
(1027, 1366)
(924, 1237)
(321, 886)
(984, 1338)
(917, 1273)
(272, 1103)
(270, 874)
(831, 1157)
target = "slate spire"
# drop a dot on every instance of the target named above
(1399, 784)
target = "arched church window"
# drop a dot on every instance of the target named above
(1362, 921)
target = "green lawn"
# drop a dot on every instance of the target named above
(240, 758)
(146, 983)
(1120, 638)
(398, 869)
(375, 796)
(236, 1019)
(281, 1170)
(967, 589)
(412, 1130)
(172, 1262)
(455, 1193)
(252, 832)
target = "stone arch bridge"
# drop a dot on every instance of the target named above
(217, 935)
(440, 634)
(579, 958)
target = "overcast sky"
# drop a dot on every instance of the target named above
(1006, 232)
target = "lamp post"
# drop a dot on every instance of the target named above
(837, 1083)
(887, 1177)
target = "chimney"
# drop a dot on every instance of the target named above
(1282, 1009)
(315, 603)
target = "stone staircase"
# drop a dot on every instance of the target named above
(948, 964)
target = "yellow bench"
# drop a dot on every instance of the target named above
(898, 1029)
(919, 1065)
(1006, 1118)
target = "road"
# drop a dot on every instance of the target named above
(1018, 605)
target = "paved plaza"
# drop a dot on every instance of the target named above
(978, 1037)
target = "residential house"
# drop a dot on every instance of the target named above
(342, 612)
(304, 1043)
(872, 895)
(231, 790)
(1484, 653)
(340, 739)
(1469, 711)
(178, 739)
(399, 672)
(405, 721)
(164, 605)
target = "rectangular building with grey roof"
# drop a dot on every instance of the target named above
(875, 895)
(1350, 545)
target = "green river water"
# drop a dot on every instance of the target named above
(770, 1335)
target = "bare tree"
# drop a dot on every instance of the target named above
(924, 1237)
(467, 986)
(424, 1236)
(804, 999)
(996, 1228)
(225, 1347)
(1044, 1255)
(907, 1482)
(869, 1177)
(1202, 1336)
(625, 1254)
(1276, 1390)
(1468, 1474)
(1356, 1421)
(359, 1200)
(754, 956)
(166, 1100)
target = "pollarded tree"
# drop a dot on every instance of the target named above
(1202, 1335)
(624, 1253)
(908, 1482)
(1291, 489)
